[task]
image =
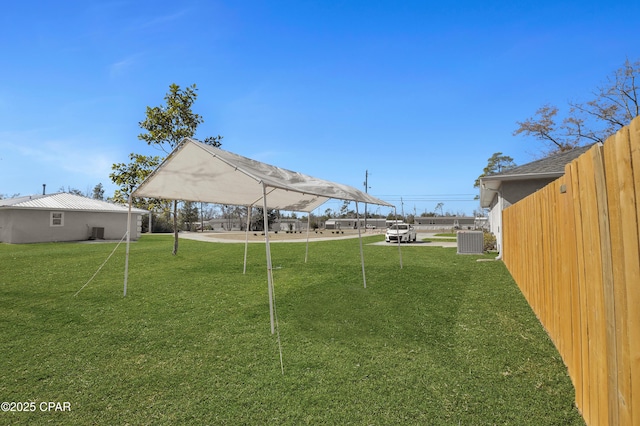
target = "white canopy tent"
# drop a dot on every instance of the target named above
(195, 171)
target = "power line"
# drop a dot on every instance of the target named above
(430, 198)
(426, 195)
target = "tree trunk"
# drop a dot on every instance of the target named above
(175, 227)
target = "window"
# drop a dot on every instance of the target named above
(56, 219)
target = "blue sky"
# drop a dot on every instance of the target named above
(419, 93)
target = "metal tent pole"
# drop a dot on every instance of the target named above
(395, 212)
(364, 277)
(306, 253)
(246, 239)
(265, 218)
(126, 257)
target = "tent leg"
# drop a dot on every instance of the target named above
(364, 277)
(306, 253)
(246, 239)
(126, 257)
(395, 213)
(268, 249)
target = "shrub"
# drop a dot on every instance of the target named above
(489, 241)
(161, 224)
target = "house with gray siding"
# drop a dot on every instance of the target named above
(64, 217)
(500, 190)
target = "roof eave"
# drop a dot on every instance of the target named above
(524, 176)
(490, 185)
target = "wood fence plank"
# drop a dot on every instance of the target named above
(555, 282)
(608, 297)
(613, 167)
(570, 248)
(543, 235)
(585, 403)
(563, 275)
(632, 272)
(593, 272)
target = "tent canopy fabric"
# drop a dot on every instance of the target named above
(195, 171)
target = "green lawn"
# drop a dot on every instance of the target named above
(435, 240)
(446, 340)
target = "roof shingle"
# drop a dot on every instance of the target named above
(548, 165)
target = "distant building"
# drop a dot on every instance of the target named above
(64, 217)
(225, 224)
(236, 224)
(288, 224)
(351, 223)
(446, 222)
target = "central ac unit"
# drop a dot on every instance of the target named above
(470, 242)
(97, 233)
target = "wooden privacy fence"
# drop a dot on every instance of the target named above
(574, 249)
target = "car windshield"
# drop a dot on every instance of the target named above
(395, 227)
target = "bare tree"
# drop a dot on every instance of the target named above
(614, 105)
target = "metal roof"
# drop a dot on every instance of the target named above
(65, 202)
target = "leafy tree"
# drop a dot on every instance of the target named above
(98, 192)
(392, 216)
(162, 223)
(612, 107)
(189, 215)
(165, 127)
(344, 209)
(213, 141)
(497, 163)
(257, 218)
(129, 175)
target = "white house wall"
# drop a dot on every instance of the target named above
(495, 221)
(5, 228)
(34, 226)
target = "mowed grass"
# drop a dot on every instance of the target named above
(446, 340)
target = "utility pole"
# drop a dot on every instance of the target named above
(366, 190)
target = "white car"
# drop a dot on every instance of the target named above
(403, 231)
